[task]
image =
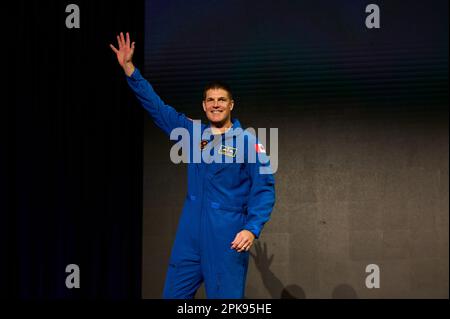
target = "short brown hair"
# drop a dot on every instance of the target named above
(217, 85)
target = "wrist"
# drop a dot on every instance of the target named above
(128, 68)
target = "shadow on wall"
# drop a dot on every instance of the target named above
(279, 291)
(344, 291)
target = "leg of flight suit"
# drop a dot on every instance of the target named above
(182, 280)
(184, 274)
(226, 278)
(224, 269)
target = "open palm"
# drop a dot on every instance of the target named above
(126, 50)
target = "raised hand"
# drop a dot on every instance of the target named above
(125, 53)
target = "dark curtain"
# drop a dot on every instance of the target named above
(71, 153)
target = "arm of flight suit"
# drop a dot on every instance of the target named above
(262, 195)
(164, 116)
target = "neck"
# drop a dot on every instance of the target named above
(220, 129)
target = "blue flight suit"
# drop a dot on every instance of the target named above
(223, 198)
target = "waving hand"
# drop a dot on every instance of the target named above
(124, 53)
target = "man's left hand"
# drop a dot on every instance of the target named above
(243, 241)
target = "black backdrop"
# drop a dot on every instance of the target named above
(71, 153)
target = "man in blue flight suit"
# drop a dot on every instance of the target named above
(230, 196)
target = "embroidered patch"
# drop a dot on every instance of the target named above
(260, 148)
(203, 144)
(227, 150)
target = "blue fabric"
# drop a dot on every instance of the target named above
(222, 200)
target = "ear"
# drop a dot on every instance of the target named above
(232, 105)
(204, 106)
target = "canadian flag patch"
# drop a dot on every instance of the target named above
(260, 148)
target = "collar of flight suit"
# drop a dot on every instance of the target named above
(234, 125)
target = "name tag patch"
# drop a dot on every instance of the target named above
(227, 150)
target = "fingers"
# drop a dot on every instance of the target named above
(241, 243)
(122, 39)
(127, 43)
(123, 42)
(119, 43)
(244, 246)
(236, 241)
(113, 48)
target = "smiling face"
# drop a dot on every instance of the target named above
(217, 106)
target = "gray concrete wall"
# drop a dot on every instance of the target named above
(352, 190)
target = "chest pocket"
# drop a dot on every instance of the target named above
(222, 169)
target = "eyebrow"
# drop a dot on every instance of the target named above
(220, 97)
